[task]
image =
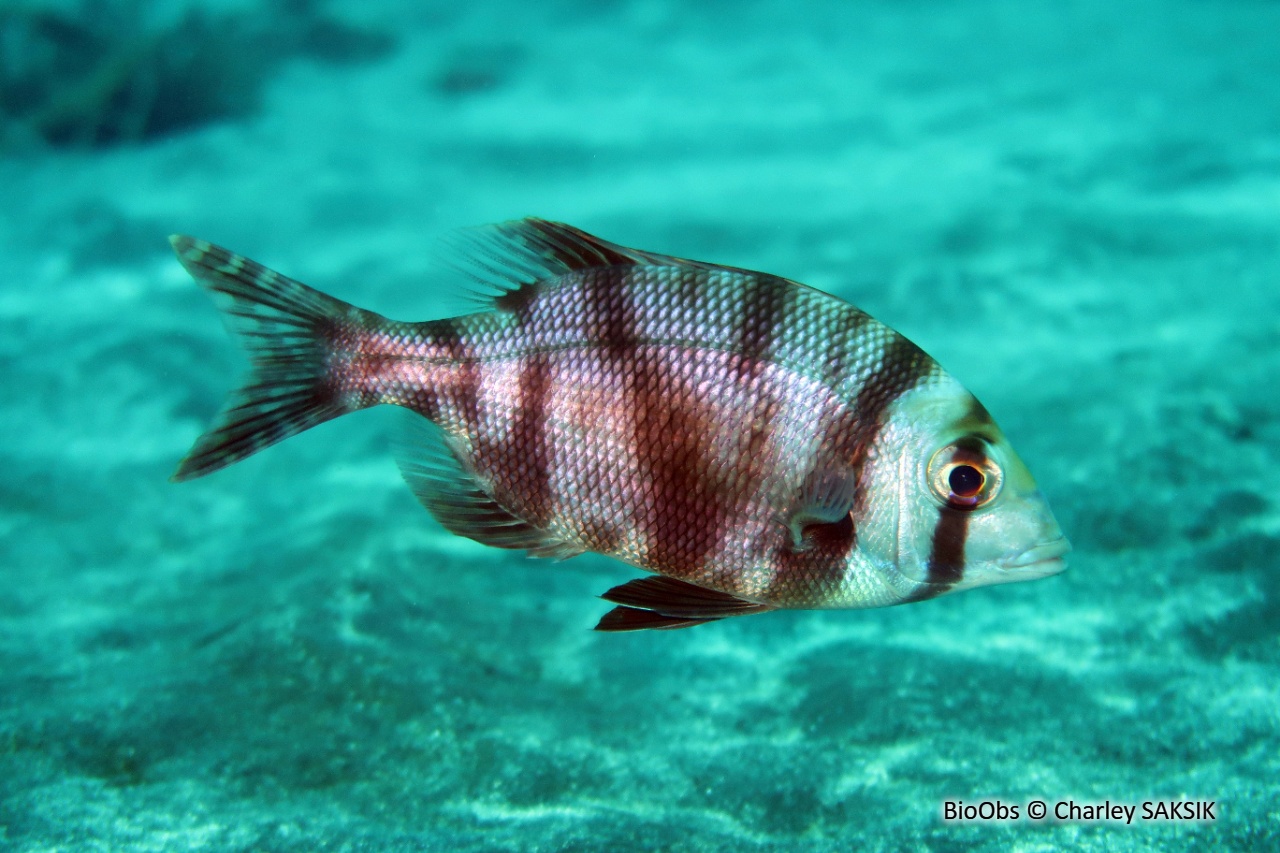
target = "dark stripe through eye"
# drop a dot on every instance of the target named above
(946, 551)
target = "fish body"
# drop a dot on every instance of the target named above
(753, 442)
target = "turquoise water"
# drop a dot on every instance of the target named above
(1074, 206)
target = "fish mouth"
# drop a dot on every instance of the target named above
(1043, 559)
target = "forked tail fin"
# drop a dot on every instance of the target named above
(293, 333)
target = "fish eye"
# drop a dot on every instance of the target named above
(965, 480)
(964, 476)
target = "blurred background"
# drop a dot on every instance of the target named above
(1074, 206)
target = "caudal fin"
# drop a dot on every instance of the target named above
(291, 332)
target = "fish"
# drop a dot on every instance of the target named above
(750, 442)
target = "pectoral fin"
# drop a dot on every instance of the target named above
(822, 511)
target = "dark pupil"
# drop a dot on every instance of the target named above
(965, 481)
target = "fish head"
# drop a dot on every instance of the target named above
(968, 511)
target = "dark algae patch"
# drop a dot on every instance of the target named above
(98, 74)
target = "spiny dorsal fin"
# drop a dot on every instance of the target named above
(663, 602)
(506, 261)
(449, 490)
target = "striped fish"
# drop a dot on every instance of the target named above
(754, 443)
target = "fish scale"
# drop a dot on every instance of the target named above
(757, 443)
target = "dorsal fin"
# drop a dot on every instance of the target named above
(449, 490)
(663, 602)
(505, 261)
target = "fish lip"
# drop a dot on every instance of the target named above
(1046, 557)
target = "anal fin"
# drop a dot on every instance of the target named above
(451, 492)
(663, 602)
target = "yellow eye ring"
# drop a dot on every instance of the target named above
(964, 476)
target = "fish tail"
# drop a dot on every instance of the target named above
(295, 338)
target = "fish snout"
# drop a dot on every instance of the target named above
(1043, 559)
